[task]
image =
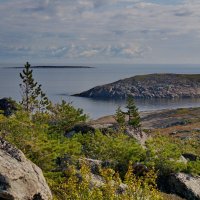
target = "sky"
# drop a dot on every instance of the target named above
(100, 31)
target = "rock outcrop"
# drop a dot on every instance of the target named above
(85, 128)
(149, 86)
(140, 136)
(185, 185)
(20, 179)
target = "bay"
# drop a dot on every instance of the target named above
(62, 83)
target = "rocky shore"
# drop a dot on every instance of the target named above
(149, 86)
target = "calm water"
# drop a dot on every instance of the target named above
(61, 83)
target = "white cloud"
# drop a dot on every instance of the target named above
(120, 51)
(89, 53)
(98, 28)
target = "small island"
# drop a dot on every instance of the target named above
(54, 67)
(148, 86)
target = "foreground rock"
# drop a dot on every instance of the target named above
(20, 179)
(185, 185)
(149, 86)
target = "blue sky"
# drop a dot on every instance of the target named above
(100, 31)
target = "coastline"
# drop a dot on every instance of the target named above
(156, 119)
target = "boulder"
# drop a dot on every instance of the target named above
(93, 164)
(185, 185)
(82, 128)
(190, 156)
(140, 136)
(140, 169)
(182, 159)
(8, 106)
(20, 179)
(99, 181)
(85, 128)
(96, 180)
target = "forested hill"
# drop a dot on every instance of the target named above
(149, 86)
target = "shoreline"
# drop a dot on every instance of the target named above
(157, 118)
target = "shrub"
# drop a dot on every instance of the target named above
(164, 155)
(78, 186)
(118, 149)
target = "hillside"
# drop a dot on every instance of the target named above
(164, 154)
(149, 86)
(128, 156)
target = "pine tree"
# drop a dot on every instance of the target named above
(32, 95)
(133, 115)
(120, 118)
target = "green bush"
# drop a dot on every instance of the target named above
(164, 155)
(193, 167)
(118, 149)
(64, 116)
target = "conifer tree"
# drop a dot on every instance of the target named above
(133, 115)
(120, 118)
(32, 95)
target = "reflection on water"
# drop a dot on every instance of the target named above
(98, 108)
(155, 104)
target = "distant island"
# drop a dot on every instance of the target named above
(149, 86)
(53, 67)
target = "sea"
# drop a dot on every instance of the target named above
(59, 84)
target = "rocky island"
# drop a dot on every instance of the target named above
(149, 86)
